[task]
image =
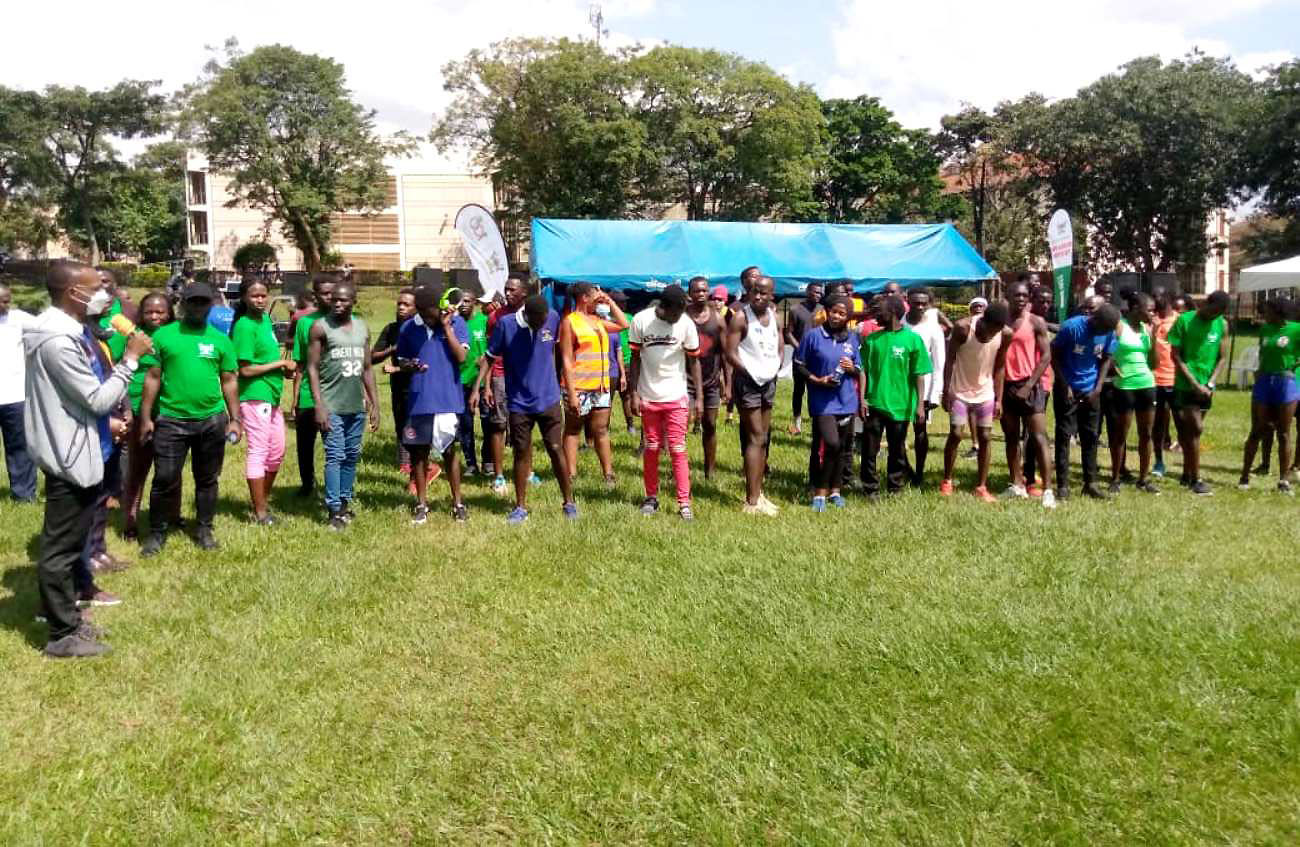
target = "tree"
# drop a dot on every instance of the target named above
(254, 254)
(877, 172)
(1275, 163)
(1145, 155)
(283, 125)
(550, 120)
(137, 209)
(76, 125)
(25, 173)
(732, 139)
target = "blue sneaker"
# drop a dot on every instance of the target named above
(571, 511)
(819, 504)
(517, 516)
(837, 500)
(534, 479)
(1159, 469)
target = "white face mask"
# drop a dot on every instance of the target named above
(98, 302)
(602, 312)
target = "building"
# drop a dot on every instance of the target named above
(416, 226)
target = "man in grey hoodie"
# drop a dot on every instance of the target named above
(69, 396)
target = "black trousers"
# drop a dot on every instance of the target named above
(111, 487)
(69, 510)
(1074, 418)
(305, 432)
(205, 440)
(878, 426)
(832, 438)
(796, 399)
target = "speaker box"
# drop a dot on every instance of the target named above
(466, 279)
(421, 275)
(293, 283)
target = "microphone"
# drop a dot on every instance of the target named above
(122, 324)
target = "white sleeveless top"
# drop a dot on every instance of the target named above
(972, 368)
(759, 350)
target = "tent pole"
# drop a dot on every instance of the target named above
(1232, 339)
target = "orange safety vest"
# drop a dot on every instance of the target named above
(591, 362)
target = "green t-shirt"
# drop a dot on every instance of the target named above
(892, 361)
(1129, 351)
(135, 388)
(477, 328)
(116, 343)
(255, 344)
(342, 363)
(1197, 341)
(301, 335)
(192, 360)
(1279, 347)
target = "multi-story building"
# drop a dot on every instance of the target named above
(416, 225)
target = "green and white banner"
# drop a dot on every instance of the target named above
(1060, 240)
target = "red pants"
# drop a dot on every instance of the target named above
(666, 422)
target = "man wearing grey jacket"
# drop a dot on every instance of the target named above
(69, 396)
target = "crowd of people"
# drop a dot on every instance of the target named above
(99, 392)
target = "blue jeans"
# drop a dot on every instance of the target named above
(22, 472)
(466, 432)
(342, 450)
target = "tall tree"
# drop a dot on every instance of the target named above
(1275, 163)
(1145, 155)
(283, 125)
(732, 139)
(877, 172)
(77, 125)
(550, 120)
(26, 174)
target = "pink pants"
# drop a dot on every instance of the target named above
(660, 422)
(264, 429)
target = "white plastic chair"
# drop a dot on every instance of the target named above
(1245, 366)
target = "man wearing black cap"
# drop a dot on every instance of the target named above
(192, 383)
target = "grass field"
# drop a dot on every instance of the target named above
(920, 671)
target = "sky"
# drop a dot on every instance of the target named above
(921, 59)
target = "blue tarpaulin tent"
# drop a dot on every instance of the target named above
(648, 255)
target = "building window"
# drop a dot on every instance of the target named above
(198, 189)
(198, 228)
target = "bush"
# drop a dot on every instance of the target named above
(154, 276)
(398, 278)
(254, 254)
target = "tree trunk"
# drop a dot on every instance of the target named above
(311, 250)
(90, 233)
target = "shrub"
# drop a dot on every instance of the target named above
(254, 254)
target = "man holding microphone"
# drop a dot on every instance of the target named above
(69, 396)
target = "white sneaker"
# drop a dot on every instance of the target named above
(1049, 498)
(1015, 492)
(751, 509)
(767, 506)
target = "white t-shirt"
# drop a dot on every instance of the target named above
(931, 332)
(13, 362)
(663, 349)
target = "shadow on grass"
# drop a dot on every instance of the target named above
(18, 610)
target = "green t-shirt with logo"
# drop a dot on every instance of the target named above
(1130, 351)
(477, 328)
(1197, 341)
(1279, 347)
(892, 361)
(301, 335)
(135, 388)
(255, 344)
(192, 360)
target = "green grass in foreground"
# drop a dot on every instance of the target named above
(921, 671)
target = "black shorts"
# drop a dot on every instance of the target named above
(1035, 405)
(1164, 397)
(749, 394)
(1184, 399)
(1126, 400)
(712, 393)
(550, 423)
(495, 416)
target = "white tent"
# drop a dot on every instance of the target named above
(1282, 274)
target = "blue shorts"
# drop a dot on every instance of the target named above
(1275, 389)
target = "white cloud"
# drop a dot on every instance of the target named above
(392, 50)
(923, 59)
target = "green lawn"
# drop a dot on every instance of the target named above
(919, 671)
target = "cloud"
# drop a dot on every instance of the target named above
(924, 59)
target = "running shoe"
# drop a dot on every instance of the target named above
(837, 501)
(983, 495)
(751, 509)
(1201, 488)
(1284, 487)
(534, 479)
(1033, 490)
(649, 506)
(96, 596)
(1244, 483)
(336, 522)
(460, 513)
(685, 513)
(1092, 492)
(1146, 486)
(1158, 470)
(1115, 487)
(499, 487)
(419, 514)
(945, 488)
(518, 515)
(571, 511)
(1049, 499)
(769, 508)
(819, 504)
(1015, 492)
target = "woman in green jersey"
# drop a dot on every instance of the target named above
(1132, 355)
(1273, 399)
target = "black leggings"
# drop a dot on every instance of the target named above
(304, 426)
(796, 399)
(832, 441)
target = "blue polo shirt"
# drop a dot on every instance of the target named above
(820, 353)
(532, 386)
(615, 357)
(436, 390)
(1080, 350)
